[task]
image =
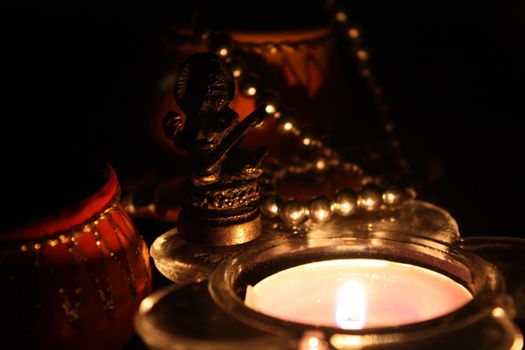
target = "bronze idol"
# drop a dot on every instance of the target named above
(222, 194)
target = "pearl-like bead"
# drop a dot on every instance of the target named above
(353, 33)
(345, 202)
(369, 198)
(362, 55)
(309, 140)
(341, 16)
(287, 124)
(271, 205)
(270, 99)
(249, 85)
(221, 46)
(293, 212)
(393, 196)
(320, 209)
(236, 66)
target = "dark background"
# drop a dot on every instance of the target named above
(452, 73)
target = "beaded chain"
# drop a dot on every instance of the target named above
(353, 35)
(346, 201)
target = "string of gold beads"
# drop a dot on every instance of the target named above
(353, 35)
(345, 202)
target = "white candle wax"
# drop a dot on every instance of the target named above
(357, 293)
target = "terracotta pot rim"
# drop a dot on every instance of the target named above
(72, 216)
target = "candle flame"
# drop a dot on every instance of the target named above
(350, 312)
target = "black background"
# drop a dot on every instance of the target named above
(452, 72)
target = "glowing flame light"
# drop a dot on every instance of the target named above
(350, 312)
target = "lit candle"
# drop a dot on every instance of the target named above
(356, 294)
